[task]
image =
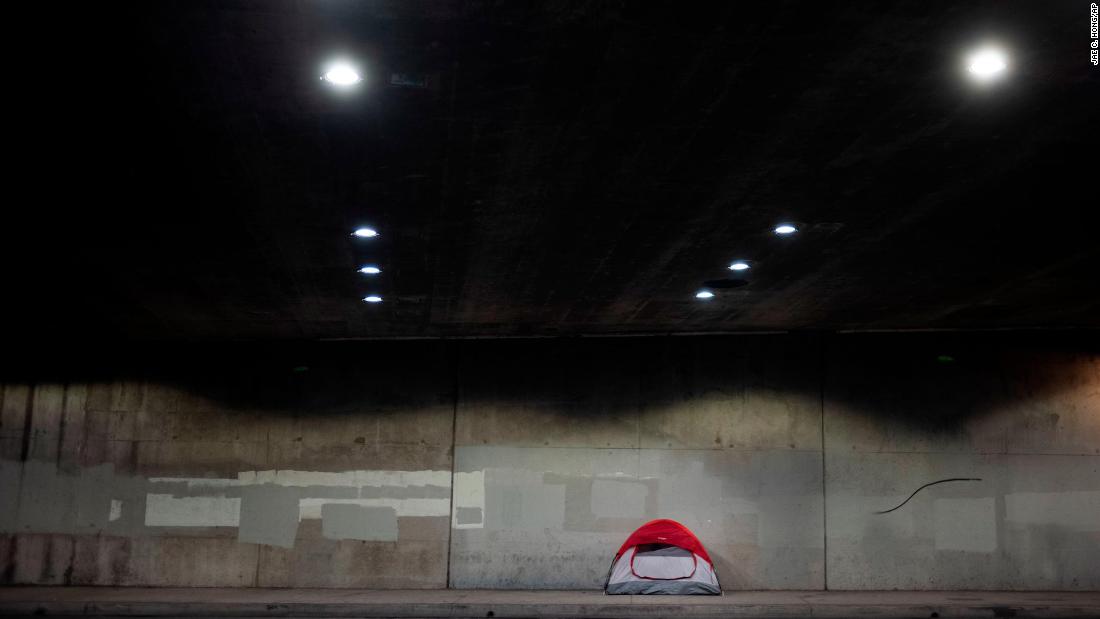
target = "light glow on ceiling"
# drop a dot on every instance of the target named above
(740, 265)
(370, 269)
(704, 294)
(785, 229)
(372, 298)
(365, 233)
(987, 63)
(342, 74)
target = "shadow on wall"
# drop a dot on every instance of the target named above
(333, 377)
(658, 392)
(931, 383)
(571, 377)
(989, 393)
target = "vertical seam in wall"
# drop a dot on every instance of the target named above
(260, 547)
(61, 426)
(455, 359)
(638, 375)
(456, 356)
(28, 418)
(824, 494)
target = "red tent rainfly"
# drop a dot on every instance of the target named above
(662, 557)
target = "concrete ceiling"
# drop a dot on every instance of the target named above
(567, 168)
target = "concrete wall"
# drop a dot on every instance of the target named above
(1025, 421)
(333, 466)
(236, 472)
(722, 434)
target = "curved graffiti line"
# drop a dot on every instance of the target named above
(931, 483)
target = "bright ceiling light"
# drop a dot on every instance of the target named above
(370, 269)
(785, 229)
(373, 299)
(740, 265)
(987, 63)
(342, 74)
(704, 294)
(365, 233)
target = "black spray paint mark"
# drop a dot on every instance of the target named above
(931, 483)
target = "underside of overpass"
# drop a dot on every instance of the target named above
(458, 294)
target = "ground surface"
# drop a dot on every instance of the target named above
(105, 601)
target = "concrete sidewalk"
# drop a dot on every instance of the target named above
(177, 602)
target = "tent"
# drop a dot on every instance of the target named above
(662, 556)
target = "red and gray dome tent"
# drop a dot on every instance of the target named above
(662, 556)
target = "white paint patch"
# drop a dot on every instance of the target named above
(1073, 510)
(352, 479)
(310, 509)
(165, 510)
(116, 509)
(469, 492)
(197, 482)
(967, 525)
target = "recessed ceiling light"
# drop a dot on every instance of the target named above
(785, 229)
(370, 269)
(365, 233)
(373, 299)
(740, 265)
(987, 63)
(704, 294)
(342, 74)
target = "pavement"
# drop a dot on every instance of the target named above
(211, 602)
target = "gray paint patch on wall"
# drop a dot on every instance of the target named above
(360, 522)
(1073, 510)
(269, 515)
(468, 515)
(618, 499)
(968, 525)
(518, 499)
(46, 498)
(10, 486)
(93, 498)
(511, 507)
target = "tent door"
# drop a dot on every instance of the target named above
(661, 562)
